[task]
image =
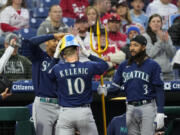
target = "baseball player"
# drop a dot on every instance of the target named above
(140, 77)
(117, 126)
(45, 104)
(75, 95)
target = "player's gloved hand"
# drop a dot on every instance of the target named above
(159, 120)
(102, 89)
(83, 50)
(57, 52)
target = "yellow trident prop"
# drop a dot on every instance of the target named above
(99, 51)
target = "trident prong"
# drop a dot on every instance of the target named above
(99, 51)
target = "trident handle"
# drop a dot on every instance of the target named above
(99, 51)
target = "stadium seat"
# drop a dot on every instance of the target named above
(35, 22)
(68, 21)
(30, 3)
(49, 3)
(39, 12)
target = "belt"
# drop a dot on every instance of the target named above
(139, 103)
(48, 100)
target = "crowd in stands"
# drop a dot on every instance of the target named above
(157, 20)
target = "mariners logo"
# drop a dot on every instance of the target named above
(167, 86)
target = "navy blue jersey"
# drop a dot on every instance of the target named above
(117, 126)
(74, 80)
(41, 63)
(140, 83)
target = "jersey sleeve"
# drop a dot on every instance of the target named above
(99, 65)
(158, 85)
(34, 43)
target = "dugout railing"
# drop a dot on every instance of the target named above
(21, 118)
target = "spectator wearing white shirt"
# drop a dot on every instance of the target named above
(164, 8)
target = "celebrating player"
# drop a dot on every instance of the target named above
(143, 86)
(75, 95)
(45, 104)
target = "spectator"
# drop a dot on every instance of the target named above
(18, 66)
(73, 8)
(178, 5)
(164, 8)
(137, 13)
(113, 56)
(101, 6)
(14, 16)
(123, 11)
(81, 26)
(5, 94)
(132, 32)
(92, 15)
(174, 31)
(53, 23)
(159, 46)
(114, 35)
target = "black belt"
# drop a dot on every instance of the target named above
(139, 103)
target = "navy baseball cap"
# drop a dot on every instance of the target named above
(121, 3)
(140, 39)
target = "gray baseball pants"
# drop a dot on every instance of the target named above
(79, 118)
(140, 119)
(45, 116)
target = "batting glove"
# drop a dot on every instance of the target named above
(57, 52)
(102, 89)
(159, 120)
(83, 50)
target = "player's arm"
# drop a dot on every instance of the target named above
(159, 88)
(7, 54)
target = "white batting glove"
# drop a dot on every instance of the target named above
(102, 90)
(159, 120)
(57, 52)
(83, 50)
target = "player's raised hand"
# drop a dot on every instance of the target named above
(83, 50)
(102, 89)
(5, 94)
(57, 52)
(59, 36)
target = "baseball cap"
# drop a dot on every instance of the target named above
(140, 39)
(122, 3)
(11, 36)
(114, 17)
(134, 28)
(81, 19)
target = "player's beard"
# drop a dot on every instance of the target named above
(138, 58)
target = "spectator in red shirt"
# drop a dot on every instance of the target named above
(73, 8)
(115, 36)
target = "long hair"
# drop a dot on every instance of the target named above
(139, 58)
(10, 2)
(149, 30)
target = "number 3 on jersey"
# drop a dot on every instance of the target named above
(74, 84)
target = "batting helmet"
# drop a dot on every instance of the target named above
(67, 41)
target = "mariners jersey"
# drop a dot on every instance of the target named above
(74, 80)
(140, 83)
(41, 63)
(117, 126)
